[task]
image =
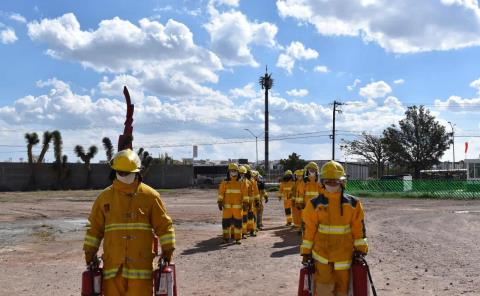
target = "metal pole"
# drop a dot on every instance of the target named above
(333, 130)
(267, 167)
(453, 142)
(256, 149)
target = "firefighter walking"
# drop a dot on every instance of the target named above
(285, 192)
(263, 196)
(297, 192)
(124, 216)
(311, 187)
(334, 232)
(232, 197)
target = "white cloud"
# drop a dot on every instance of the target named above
(399, 81)
(435, 25)
(374, 90)
(297, 92)
(246, 92)
(232, 35)
(234, 3)
(321, 69)
(163, 57)
(83, 119)
(476, 84)
(459, 103)
(8, 36)
(294, 52)
(354, 84)
(18, 17)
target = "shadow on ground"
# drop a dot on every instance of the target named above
(290, 243)
(208, 245)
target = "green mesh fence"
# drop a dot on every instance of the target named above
(454, 189)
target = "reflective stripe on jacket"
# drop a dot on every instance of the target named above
(285, 189)
(232, 192)
(331, 233)
(124, 216)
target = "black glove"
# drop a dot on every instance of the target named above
(90, 257)
(245, 206)
(220, 206)
(167, 255)
(257, 204)
(266, 198)
(307, 258)
(359, 256)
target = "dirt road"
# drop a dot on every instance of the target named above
(417, 247)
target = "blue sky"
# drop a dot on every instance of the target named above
(192, 68)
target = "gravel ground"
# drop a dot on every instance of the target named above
(417, 247)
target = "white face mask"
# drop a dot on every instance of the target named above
(332, 189)
(233, 174)
(311, 173)
(128, 179)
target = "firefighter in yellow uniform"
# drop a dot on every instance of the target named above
(334, 232)
(246, 206)
(311, 188)
(232, 194)
(296, 196)
(285, 191)
(124, 216)
(263, 196)
(253, 204)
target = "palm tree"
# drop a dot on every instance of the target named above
(86, 158)
(32, 140)
(60, 161)
(107, 145)
(47, 138)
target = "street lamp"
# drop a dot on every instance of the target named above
(256, 143)
(452, 125)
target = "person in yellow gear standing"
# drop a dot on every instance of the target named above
(232, 196)
(246, 206)
(296, 196)
(311, 188)
(263, 196)
(124, 216)
(254, 200)
(334, 232)
(285, 191)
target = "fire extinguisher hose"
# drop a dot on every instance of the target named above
(370, 277)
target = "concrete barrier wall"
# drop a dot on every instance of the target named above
(16, 176)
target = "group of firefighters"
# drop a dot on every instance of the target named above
(126, 213)
(241, 196)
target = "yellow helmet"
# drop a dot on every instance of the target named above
(247, 166)
(242, 169)
(332, 170)
(299, 173)
(312, 166)
(288, 173)
(232, 167)
(254, 173)
(126, 161)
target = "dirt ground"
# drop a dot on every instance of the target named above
(417, 247)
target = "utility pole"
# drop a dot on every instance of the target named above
(332, 136)
(256, 144)
(266, 82)
(452, 125)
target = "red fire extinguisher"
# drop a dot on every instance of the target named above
(92, 279)
(305, 283)
(361, 279)
(164, 279)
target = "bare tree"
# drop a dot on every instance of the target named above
(369, 147)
